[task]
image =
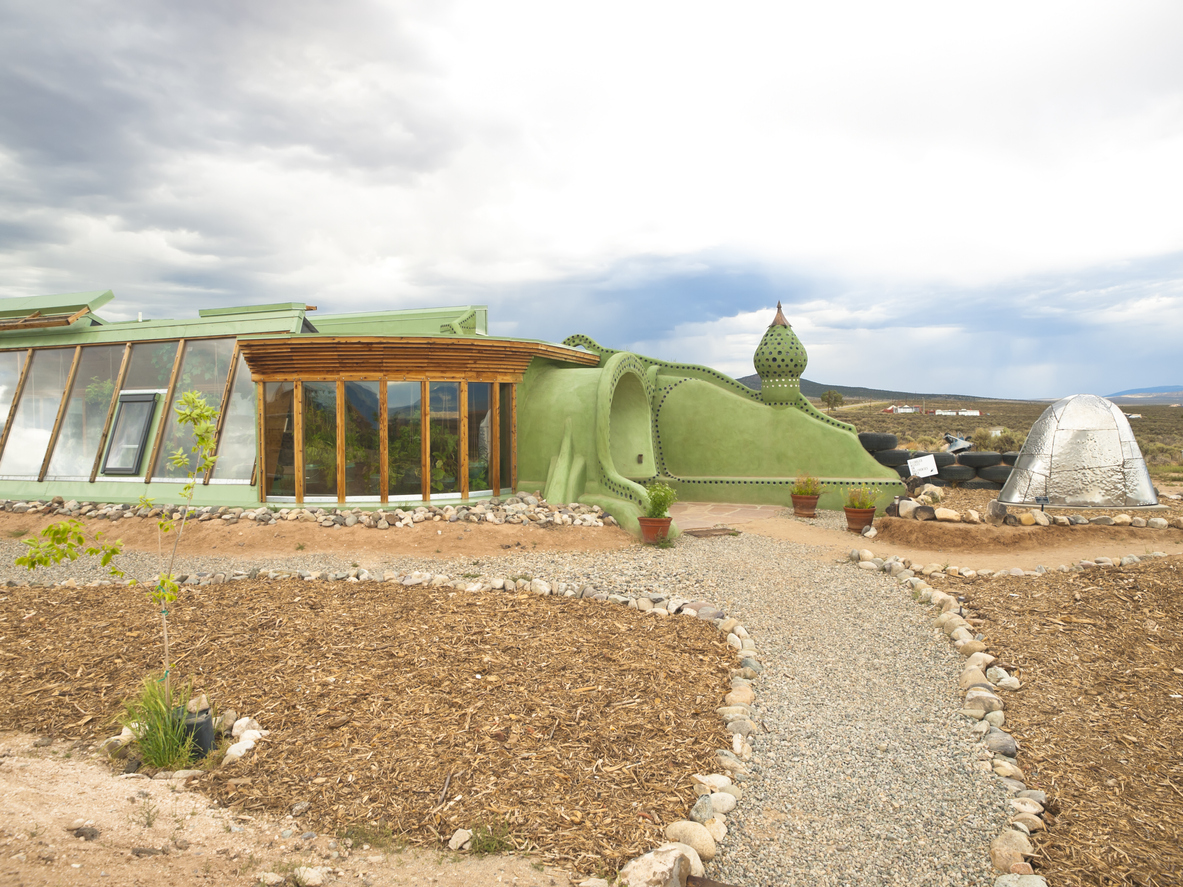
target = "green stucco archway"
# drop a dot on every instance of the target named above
(630, 429)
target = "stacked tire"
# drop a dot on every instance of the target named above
(971, 470)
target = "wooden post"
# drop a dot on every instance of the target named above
(260, 469)
(340, 442)
(462, 456)
(297, 413)
(222, 410)
(168, 403)
(495, 438)
(383, 445)
(513, 437)
(62, 407)
(98, 457)
(425, 440)
(16, 397)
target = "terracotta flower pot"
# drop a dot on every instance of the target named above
(805, 506)
(857, 519)
(654, 529)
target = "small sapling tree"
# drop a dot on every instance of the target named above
(66, 540)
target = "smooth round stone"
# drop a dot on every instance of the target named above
(722, 802)
(684, 831)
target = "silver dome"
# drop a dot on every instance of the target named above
(1081, 453)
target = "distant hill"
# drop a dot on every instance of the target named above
(815, 389)
(1158, 394)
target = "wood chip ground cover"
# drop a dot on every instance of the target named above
(1100, 716)
(573, 726)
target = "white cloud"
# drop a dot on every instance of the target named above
(867, 162)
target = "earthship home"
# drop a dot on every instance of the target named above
(394, 407)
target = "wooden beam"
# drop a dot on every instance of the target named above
(222, 411)
(495, 438)
(425, 440)
(62, 408)
(168, 404)
(289, 375)
(366, 357)
(462, 456)
(383, 445)
(340, 442)
(77, 315)
(98, 457)
(298, 438)
(16, 397)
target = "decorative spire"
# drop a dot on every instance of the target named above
(780, 319)
(780, 360)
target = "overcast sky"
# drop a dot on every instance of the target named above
(978, 198)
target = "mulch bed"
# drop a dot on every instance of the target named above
(1100, 718)
(572, 726)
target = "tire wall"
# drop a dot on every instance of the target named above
(972, 469)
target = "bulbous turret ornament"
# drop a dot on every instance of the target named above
(780, 360)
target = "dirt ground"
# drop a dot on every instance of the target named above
(545, 745)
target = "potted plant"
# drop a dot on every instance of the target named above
(860, 507)
(655, 525)
(806, 491)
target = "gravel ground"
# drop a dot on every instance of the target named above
(865, 774)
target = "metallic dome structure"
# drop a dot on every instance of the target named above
(1081, 453)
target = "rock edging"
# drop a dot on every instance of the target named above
(983, 686)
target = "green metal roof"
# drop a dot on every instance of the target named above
(461, 320)
(283, 318)
(63, 303)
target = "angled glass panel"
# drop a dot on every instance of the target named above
(505, 447)
(279, 440)
(479, 419)
(129, 434)
(36, 412)
(150, 366)
(86, 412)
(10, 373)
(444, 436)
(404, 434)
(320, 439)
(204, 367)
(362, 453)
(236, 448)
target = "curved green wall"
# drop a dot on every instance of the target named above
(580, 432)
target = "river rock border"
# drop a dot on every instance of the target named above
(925, 506)
(689, 842)
(984, 686)
(521, 508)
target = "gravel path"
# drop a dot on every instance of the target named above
(865, 776)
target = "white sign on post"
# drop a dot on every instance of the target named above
(925, 466)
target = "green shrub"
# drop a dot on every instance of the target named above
(157, 718)
(861, 497)
(660, 497)
(807, 485)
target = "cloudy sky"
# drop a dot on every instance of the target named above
(978, 198)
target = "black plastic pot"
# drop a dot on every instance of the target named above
(201, 727)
